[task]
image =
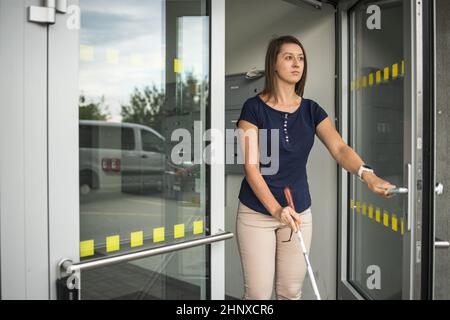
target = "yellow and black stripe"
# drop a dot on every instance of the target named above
(378, 215)
(87, 247)
(382, 76)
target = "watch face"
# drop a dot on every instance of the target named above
(367, 167)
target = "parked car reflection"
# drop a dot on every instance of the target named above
(126, 157)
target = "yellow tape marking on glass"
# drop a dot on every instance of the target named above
(386, 74)
(86, 248)
(158, 234)
(378, 215)
(177, 65)
(386, 218)
(395, 71)
(137, 239)
(136, 60)
(86, 53)
(112, 56)
(178, 231)
(394, 223)
(371, 212)
(112, 243)
(198, 227)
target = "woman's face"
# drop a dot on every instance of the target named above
(290, 63)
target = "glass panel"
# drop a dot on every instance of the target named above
(144, 73)
(442, 145)
(377, 111)
(148, 279)
(151, 142)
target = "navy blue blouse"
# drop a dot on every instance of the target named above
(296, 138)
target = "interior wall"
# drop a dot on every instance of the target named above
(250, 25)
(442, 218)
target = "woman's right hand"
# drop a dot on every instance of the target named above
(289, 217)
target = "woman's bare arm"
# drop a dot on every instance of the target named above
(249, 141)
(347, 158)
(249, 138)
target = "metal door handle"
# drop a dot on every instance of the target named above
(439, 189)
(409, 192)
(439, 244)
(66, 266)
(398, 191)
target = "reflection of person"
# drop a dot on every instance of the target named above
(183, 172)
(264, 221)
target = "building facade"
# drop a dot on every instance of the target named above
(115, 183)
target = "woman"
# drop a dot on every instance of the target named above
(264, 222)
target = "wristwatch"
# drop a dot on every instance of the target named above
(364, 168)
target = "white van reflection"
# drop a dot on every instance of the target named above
(123, 157)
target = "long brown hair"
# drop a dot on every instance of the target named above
(273, 50)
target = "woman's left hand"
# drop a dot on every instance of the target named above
(378, 185)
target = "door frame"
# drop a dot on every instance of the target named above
(63, 146)
(217, 169)
(63, 162)
(429, 152)
(23, 167)
(414, 96)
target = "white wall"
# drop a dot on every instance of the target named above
(250, 25)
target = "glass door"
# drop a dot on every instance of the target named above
(381, 260)
(441, 236)
(143, 90)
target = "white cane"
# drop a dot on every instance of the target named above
(288, 195)
(310, 270)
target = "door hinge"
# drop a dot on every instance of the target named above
(47, 13)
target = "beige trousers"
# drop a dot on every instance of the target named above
(264, 254)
